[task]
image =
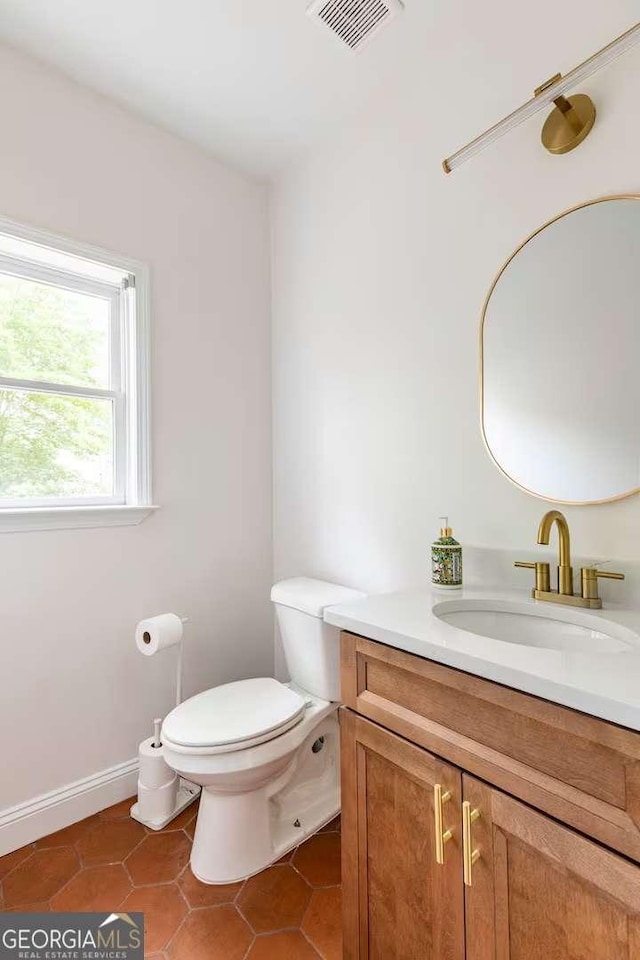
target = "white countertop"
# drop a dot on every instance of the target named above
(605, 685)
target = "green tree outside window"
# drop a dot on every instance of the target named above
(53, 445)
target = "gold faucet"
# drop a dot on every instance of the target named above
(565, 573)
(588, 575)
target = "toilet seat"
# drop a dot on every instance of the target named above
(233, 716)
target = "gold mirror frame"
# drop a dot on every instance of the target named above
(539, 496)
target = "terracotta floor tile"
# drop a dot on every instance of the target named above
(190, 828)
(278, 946)
(200, 894)
(213, 933)
(109, 841)
(164, 909)
(286, 858)
(322, 922)
(109, 862)
(318, 860)
(332, 827)
(274, 899)
(94, 889)
(160, 857)
(29, 908)
(119, 810)
(11, 860)
(40, 876)
(68, 835)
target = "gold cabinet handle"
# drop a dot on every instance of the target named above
(442, 835)
(469, 855)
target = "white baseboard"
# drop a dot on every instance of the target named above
(60, 808)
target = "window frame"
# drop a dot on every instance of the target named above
(129, 386)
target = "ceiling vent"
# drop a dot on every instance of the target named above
(354, 22)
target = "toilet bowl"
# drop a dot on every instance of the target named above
(265, 753)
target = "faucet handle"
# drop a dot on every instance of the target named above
(607, 574)
(543, 575)
(589, 577)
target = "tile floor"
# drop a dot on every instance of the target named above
(291, 911)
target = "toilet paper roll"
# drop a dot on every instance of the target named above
(159, 632)
(159, 803)
(153, 771)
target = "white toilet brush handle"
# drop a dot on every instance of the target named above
(179, 676)
(156, 733)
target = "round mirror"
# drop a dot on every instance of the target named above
(560, 357)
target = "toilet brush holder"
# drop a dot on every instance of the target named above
(149, 802)
(162, 795)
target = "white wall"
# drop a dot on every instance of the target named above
(76, 697)
(381, 266)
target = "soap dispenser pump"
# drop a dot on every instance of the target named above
(446, 559)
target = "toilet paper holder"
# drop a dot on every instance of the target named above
(162, 795)
(156, 633)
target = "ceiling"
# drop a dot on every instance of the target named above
(254, 81)
(257, 82)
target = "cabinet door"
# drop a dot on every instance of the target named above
(399, 903)
(539, 890)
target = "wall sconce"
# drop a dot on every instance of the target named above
(572, 117)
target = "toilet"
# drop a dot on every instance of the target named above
(265, 753)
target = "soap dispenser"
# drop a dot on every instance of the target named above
(446, 559)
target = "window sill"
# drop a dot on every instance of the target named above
(72, 518)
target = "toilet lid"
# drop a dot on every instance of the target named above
(234, 713)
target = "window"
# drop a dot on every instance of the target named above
(73, 392)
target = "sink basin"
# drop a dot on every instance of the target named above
(529, 624)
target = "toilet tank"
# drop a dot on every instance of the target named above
(311, 646)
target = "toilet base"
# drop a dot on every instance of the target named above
(239, 834)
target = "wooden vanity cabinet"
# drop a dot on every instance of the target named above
(537, 890)
(540, 890)
(399, 903)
